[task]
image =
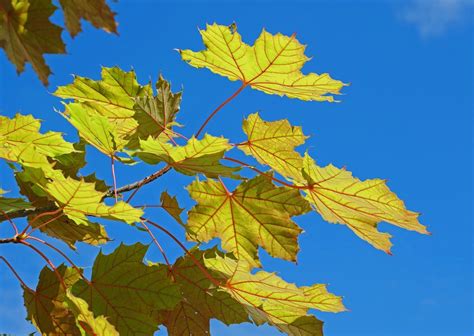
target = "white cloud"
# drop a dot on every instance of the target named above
(435, 17)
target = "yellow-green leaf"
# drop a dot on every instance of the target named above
(126, 291)
(59, 225)
(26, 34)
(256, 214)
(112, 97)
(272, 65)
(22, 142)
(273, 144)
(80, 199)
(94, 128)
(46, 307)
(97, 12)
(54, 221)
(269, 299)
(197, 156)
(361, 205)
(86, 322)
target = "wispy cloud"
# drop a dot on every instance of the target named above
(435, 17)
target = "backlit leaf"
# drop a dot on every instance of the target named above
(87, 323)
(112, 97)
(361, 205)
(46, 307)
(201, 301)
(197, 156)
(22, 142)
(8, 204)
(80, 199)
(269, 299)
(272, 65)
(94, 128)
(97, 12)
(256, 214)
(126, 291)
(26, 34)
(156, 114)
(53, 221)
(171, 206)
(273, 144)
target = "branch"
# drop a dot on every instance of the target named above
(110, 193)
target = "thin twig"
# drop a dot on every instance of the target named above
(15, 273)
(218, 108)
(159, 246)
(11, 222)
(63, 255)
(267, 175)
(113, 178)
(193, 258)
(48, 261)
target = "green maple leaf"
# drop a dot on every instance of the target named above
(26, 34)
(97, 12)
(86, 322)
(171, 206)
(46, 307)
(9, 204)
(71, 163)
(156, 114)
(269, 299)
(257, 213)
(22, 142)
(273, 144)
(272, 65)
(201, 302)
(126, 291)
(361, 205)
(197, 156)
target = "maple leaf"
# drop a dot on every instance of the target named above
(171, 206)
(273, 65)
(202, 300)
(87, 323)
(126, 291)
(97, 12)
(112, 97)
(197, 156)
(156, 114)
(45, 306)
(269, 299)
(53, 221)
(361, 205)
(22, 142)
(26, 34)
(96, 129)
(8, 204)
(256, 214)
(273, 144)
(79, 199)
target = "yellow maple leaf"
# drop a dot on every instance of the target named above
(361, 205)
(272, 65)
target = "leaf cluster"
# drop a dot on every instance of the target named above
(134, 124)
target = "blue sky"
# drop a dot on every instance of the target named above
(406, 117)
